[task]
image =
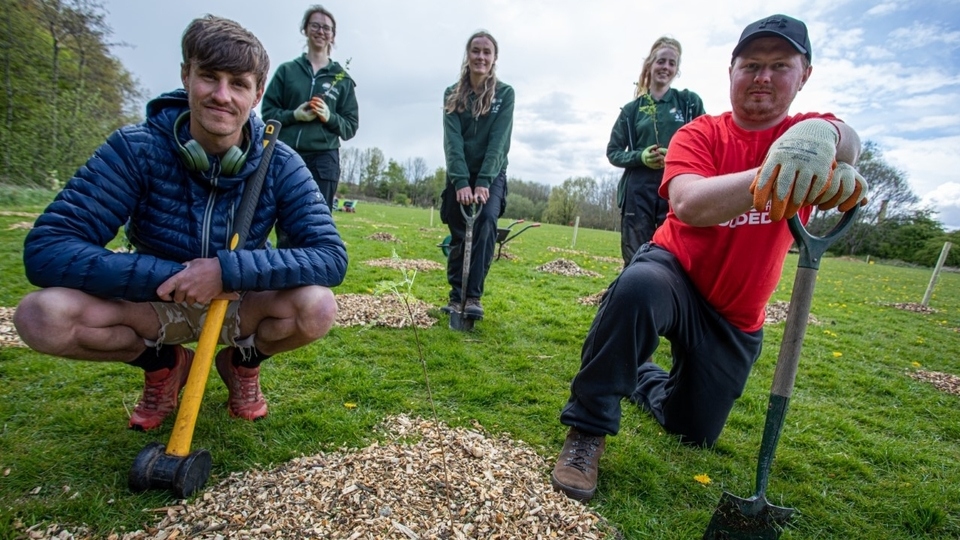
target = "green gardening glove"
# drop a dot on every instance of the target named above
(652, 156)
(797, 169)
(847, 189)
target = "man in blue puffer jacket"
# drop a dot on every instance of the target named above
(175, 182)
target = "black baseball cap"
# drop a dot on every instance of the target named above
(782, 26)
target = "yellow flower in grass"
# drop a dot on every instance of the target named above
(350, 405)
(703, 479)
(837, 354)
(915, 364)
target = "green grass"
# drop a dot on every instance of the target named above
(867, 452)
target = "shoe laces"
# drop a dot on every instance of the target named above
(153, 391)
(583, 449)
(248, 386)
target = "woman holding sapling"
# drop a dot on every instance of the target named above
(639, 139)
(477, 122)
(313, 97)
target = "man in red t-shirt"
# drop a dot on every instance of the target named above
(704, 280)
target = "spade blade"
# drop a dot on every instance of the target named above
(755, 518)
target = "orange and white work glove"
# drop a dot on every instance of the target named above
(319, 107)
(304, 113)
(847, 189)
(797, 169)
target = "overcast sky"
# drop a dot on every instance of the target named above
(890, 69)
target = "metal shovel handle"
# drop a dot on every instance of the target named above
(468, 218)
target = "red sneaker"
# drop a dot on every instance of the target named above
(245, 401)
(161, 389)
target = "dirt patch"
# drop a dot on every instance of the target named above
(944, 382)
(383, 237)
(914, 307)
(383, 310)
(777, 313)
(425, 481)
(566, 267)
(593, 299)
(8, 334)
(20, 225)
(420, 265)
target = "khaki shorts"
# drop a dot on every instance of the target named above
(182, 323)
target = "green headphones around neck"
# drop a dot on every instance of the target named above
(195, 158)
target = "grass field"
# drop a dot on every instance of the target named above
(867, 451)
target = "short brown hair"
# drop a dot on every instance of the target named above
(219, 44)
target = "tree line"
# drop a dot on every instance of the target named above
(64, 93)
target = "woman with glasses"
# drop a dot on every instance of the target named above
(313, 97)
(477, 122)
(638, 143)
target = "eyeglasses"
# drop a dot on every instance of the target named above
(316, 28)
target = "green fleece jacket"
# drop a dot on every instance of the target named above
(477, 147)
(634, 130)
(294, 83)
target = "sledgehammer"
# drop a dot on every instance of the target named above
(174, 467)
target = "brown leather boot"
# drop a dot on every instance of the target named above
(576, 471)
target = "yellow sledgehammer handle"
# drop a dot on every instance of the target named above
(182, 435)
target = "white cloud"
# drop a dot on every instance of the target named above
(573, 66)
(921, 34)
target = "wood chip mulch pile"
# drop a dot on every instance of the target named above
(912, 306)
(777, 313)
(383, 237)
(593, 299)
(942, 381)
(566, 267)
(8, 334)
(381, 310)
(490, 487)
(419, 265)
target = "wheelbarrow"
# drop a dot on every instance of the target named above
(754, 518)
(504, 235)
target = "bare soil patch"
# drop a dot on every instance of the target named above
(383, 237)
(912, 306)
(8, 334)
(566, 267)
(593, 299)
(420, 265)
(944, 382)
(382, 310)
(777, 313)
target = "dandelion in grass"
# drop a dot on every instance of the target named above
(830, 333)
(915, 364)
(837, 354)
(350, 405)
(703, 479)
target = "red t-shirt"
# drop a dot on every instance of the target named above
(735, 265)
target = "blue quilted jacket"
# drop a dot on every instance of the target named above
(136, 180)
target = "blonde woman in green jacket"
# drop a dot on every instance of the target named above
(313, 97)
(477, 122)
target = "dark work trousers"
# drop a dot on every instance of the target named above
(643, 210)
(325, 168)
(653, 297)
(484, 237)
